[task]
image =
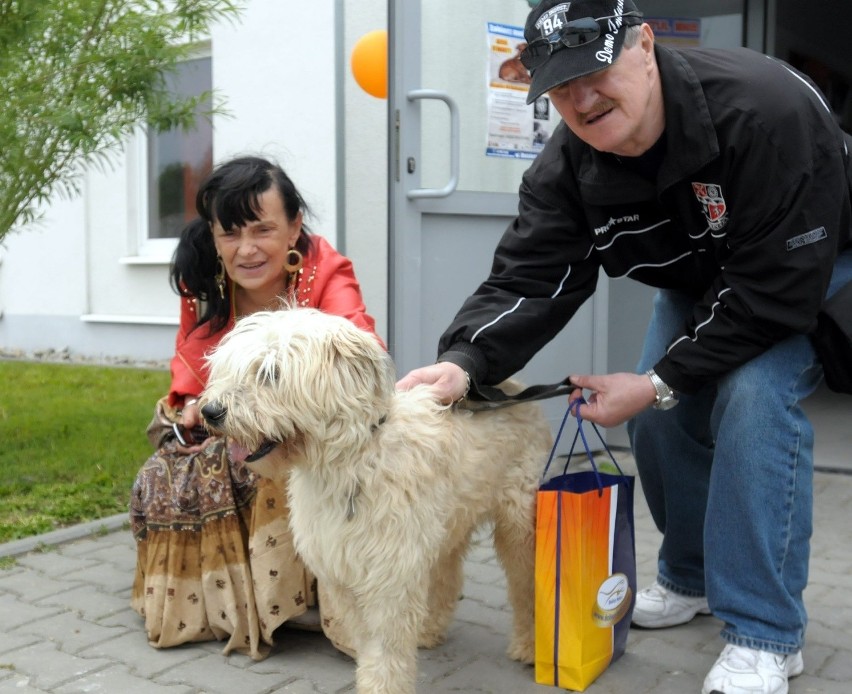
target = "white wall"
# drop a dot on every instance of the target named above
(277, 70)
(45, 260)
(366, 167)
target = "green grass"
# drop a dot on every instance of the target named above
(72, 438)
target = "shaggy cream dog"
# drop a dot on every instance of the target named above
(385, 487)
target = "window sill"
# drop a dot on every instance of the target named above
(145, 260)
(129, 320)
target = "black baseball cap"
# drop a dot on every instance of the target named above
(566, 40)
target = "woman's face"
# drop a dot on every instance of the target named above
(619, 109)
(254, 254)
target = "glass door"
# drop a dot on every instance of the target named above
(461, 136)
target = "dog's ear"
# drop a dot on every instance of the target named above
(360, 363)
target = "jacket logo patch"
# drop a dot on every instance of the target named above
(612, 222)
(807, 238)
(715, 209)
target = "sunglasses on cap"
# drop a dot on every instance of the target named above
(577, 32)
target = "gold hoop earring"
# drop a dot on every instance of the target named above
(220, 277)
(293, 266)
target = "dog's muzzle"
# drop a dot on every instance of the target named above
(214, 413)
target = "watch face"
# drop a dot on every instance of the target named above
(665, 396)
(667, 403)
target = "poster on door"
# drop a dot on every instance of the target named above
(515, 129)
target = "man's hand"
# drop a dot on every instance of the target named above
(449, 381)
(614, 398)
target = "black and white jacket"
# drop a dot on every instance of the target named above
(750, 207)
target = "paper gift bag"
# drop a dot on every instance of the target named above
(585, 572)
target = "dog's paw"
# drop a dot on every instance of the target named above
(522, 651)
(430, 639)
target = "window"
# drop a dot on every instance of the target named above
(177, 160)
(170, 167)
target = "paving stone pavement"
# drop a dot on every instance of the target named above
(66, 627)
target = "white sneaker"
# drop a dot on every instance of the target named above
(748, 671)
(658, 607)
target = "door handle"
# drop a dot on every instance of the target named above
(454, 144)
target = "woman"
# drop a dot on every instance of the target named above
(214, 553)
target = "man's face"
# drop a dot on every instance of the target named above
(618, 109)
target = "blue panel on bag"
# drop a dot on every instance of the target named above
(580, 482)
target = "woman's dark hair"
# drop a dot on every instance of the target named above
(229, 196)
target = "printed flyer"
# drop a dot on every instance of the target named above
(515, 129)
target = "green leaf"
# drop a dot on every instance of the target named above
(79, 76)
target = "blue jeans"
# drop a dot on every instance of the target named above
(728, 477)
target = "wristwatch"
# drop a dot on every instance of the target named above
(666, 397)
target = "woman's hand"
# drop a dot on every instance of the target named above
(449, 381)
(191, 422)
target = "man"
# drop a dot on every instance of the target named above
(718, 177)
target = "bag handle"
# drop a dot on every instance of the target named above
(582, 435)
(491, 398)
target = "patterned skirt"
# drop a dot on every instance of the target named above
(215, 557)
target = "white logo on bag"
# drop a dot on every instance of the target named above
(613, 601)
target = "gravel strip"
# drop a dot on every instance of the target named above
(65, 356)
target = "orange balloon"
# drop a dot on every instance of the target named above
(370, 63)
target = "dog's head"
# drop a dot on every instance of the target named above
(297, 381)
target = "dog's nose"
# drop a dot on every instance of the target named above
(214, 413)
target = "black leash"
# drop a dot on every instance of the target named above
(490, 398)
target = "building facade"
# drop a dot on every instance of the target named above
(92, 276)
